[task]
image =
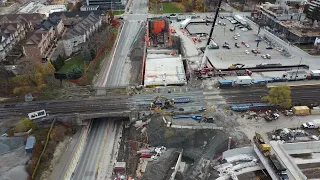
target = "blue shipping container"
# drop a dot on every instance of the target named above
(225, 83)
(30, 143)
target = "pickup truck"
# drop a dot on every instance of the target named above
(312, 125)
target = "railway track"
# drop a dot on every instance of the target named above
(301, 94)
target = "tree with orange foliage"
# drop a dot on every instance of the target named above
(33, 77)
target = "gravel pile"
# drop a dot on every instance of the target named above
(8, 144)
(12, 163)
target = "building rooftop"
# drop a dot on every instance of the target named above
(301, 29)
(33, 18)
(31, 7)
(164, 69)
(82, 27)
(49, 23)
(35, 37)
(46, 10)
(70, 14)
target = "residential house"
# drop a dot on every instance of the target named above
(54, 23)
(10, 35)
(73, 17)
(39, 43)
(78, 34)
(29, 20)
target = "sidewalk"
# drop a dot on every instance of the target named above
(64, 160)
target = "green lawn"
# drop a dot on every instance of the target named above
(116, 12)
(78, 60)
(171, 8)
(304, 47)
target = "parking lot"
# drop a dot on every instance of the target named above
(222, 58)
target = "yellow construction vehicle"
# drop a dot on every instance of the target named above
(263, 147)
(162, 103)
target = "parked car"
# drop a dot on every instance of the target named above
(236, 45)
(226, 45)
(221, 17)
(231, 29)
(266, 56)
(242, 42)
(269, 47)
(235, 37)
(244, 29)
(234, 21)
(247, 45)
(256, 51)
(247, 51)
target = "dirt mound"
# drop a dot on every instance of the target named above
(199, 145)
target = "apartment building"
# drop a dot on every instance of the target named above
(10, 35)
(76, 36)
(39, 43)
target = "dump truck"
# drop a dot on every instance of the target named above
(263, 147)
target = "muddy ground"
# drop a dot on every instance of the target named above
(136, 58)
(199, 148)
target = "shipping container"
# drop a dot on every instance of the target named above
(30, 143)
(244, 80)
(225, 83)
(301, 110)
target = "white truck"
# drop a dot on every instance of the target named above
(295, 75)
(312, 125)
(243, 80)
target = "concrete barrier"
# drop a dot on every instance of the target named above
(302, 147)
(194, 127)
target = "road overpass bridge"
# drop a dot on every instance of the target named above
(80, 118)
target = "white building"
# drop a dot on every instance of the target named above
(240, 19)
(89, 8)
(31, 7)
(35, 7)
(46, 10)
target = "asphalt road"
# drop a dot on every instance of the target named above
(112, 75)
(132, 23)
(88, 164)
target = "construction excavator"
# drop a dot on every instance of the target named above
(161, 102)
